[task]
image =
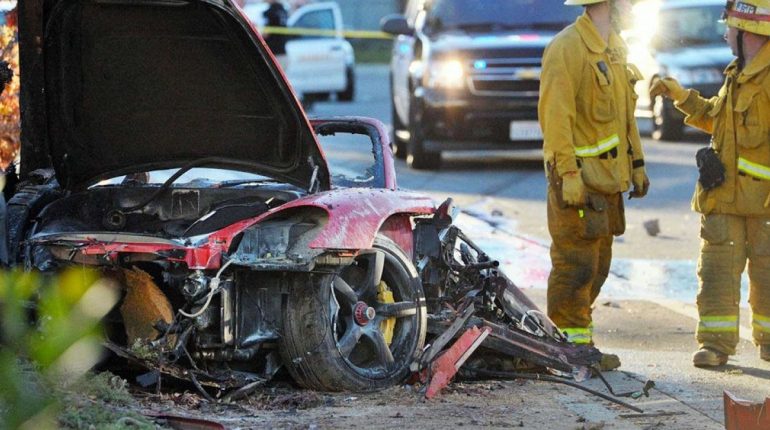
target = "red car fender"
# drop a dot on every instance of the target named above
(355, 216)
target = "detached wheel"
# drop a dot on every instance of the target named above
(357, 330)
(417, 157)
(349, 92)
(666, 126)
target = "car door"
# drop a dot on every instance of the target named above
(316, 63)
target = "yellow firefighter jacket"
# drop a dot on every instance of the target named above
(739, 120)
(586, 108)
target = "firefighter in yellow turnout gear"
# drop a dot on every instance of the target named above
(592, 153)
(735, 221)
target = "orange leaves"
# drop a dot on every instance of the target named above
(10, 117)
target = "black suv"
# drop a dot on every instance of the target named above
(465, 75)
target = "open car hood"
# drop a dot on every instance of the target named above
(122, 86)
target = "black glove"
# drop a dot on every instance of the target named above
(712, 172)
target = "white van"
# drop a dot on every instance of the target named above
(317, 66)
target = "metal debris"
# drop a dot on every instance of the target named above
(476, 299)
(745, 415)
(652, 227)
(444, 368)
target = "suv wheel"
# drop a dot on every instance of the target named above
(665, 125)
(417, 157)
(359, 329)
(398, 145)
(349, 92)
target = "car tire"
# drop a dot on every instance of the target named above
(665, 124)
(349, 92)
(326, 346)
(398, 145)
(417, 157)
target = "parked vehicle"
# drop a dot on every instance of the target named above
(317, 65)
(682, 39)
(466, 75)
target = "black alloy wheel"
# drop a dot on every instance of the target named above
(359, 329)
(349, 93)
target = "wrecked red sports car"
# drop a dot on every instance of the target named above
(163, 146)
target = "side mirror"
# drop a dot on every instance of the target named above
(396, 24)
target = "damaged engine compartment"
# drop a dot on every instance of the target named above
(335, 320)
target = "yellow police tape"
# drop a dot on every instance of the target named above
(347, 34)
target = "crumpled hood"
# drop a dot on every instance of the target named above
(137, 85)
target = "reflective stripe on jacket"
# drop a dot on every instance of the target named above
(739, 120)
(586, 107)
(761, 323)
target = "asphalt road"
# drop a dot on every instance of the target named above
(504, 182)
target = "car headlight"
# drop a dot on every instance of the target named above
(697, 76)
(270, 240)
(446, 74)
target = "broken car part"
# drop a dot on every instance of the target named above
(745, 415)
(445, 366)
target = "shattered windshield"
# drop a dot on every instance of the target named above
(352, 159)
(499, 15)
(682, 27)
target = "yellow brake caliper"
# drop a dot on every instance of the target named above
(384, 295)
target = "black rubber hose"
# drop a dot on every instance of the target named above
(549, 378)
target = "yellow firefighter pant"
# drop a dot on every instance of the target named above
(581, 252)
(728, 241)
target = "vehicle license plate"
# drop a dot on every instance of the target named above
(525, 130)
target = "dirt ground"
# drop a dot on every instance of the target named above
(653, 341)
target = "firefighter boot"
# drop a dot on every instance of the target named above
(764, 352)
(706, 357)
(609, 362)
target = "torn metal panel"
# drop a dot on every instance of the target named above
(460, 273)
(443, 369)
(745, 415)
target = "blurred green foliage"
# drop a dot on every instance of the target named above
(50, 335)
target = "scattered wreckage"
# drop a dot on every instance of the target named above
(163, 147)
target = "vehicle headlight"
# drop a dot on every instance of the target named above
(701, 75)
(446, 74)
(270, 240)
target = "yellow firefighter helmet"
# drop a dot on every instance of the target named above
(749, 15)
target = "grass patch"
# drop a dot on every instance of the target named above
(372, 51)
(86, 416)
(104, 387)
(101, 401)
